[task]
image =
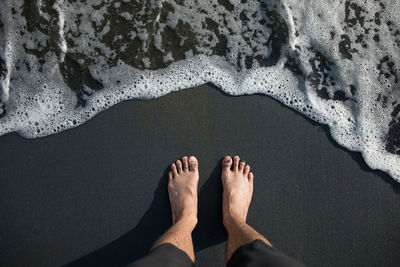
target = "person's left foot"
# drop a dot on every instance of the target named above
(182, 190)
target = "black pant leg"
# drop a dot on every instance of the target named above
(165, 255)
(258, 253)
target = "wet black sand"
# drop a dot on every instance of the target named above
(100, 190)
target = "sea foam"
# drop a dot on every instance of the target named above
(336, 62)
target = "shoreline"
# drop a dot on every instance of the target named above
(97, 189)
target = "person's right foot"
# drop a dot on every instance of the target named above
(182, 190)
(237, 183)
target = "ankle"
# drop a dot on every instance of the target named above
(231, 220)
(187, 222)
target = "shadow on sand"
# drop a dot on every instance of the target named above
(157, 219)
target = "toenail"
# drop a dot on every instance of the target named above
(192, 158)
(227, 159)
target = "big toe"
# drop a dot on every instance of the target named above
(227, 163)
(193, 163)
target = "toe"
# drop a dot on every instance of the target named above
(236, 160)
(241, 166)
(185, 163)
(170, 176)
(179, 166)
(246, 169)
(251, 178)
(173, 168)
(193, 163)
(227, 162)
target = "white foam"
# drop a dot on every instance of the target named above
(39, 102)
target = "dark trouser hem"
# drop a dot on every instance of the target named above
(258, 253)
(254, 254)
(165, 255)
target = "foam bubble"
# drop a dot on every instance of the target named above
(336, 62)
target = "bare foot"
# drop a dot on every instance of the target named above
(182, 190)
(237, 183)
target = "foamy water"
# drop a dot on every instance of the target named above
(336, 62)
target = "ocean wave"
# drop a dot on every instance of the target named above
(336, 62)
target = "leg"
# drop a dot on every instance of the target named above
(245, 246)
(182, 190)
(237, 182)
(175, 247)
